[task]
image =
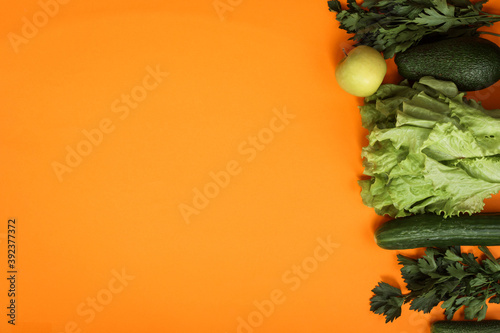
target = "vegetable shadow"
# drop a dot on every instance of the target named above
(389, 279)
(340, 45)
(379, 221)
(488, 97)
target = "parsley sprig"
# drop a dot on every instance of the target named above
(442, 275)
(392, 26)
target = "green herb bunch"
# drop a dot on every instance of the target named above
(392, 26)
(442, 275)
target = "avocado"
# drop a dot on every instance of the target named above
(472, 63)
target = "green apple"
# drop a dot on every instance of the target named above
(362, 71)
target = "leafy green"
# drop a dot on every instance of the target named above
(429, 150)
(445, 276)
(392, 26)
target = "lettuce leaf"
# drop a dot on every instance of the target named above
(430, 150)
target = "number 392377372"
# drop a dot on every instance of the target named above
(11, 243)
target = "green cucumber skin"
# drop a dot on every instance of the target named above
(432, 230)
(484, 326)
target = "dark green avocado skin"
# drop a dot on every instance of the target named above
(472, 63)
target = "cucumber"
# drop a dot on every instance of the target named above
(472, 63)
(484, 326)
(432, 230)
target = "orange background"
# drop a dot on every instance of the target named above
(247, 259)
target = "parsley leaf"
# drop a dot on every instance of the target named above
(387, 300)
(393, 26)
(447, 276)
